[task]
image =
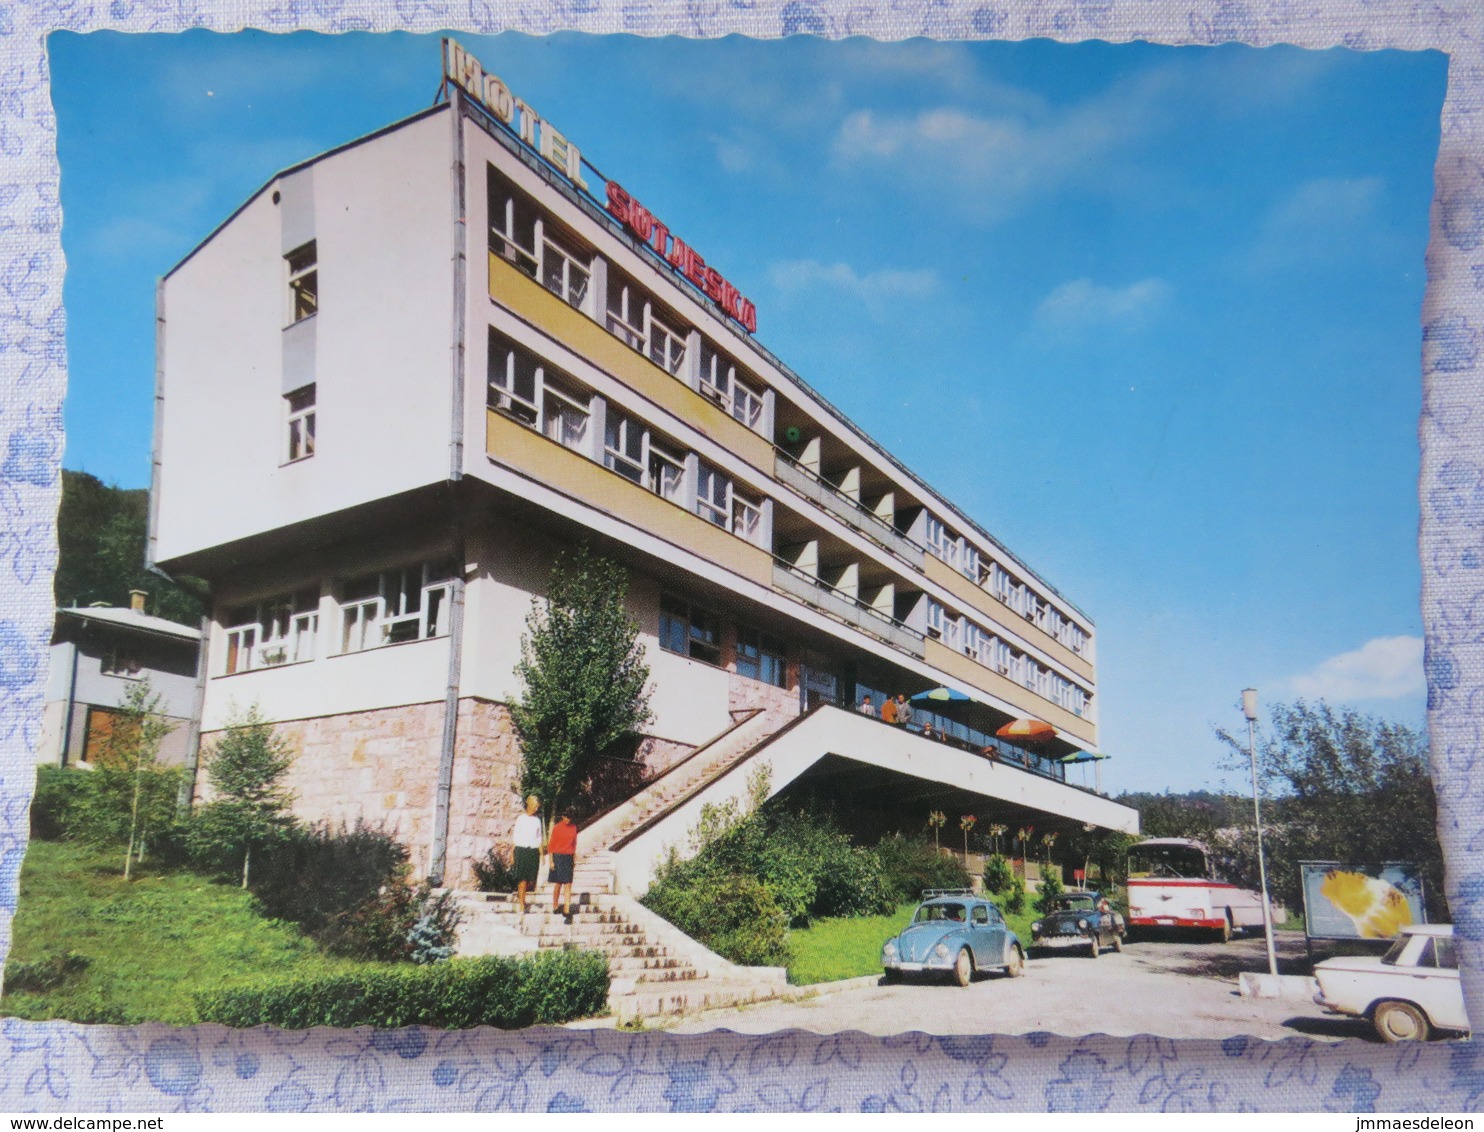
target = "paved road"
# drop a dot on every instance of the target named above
(1173, 988)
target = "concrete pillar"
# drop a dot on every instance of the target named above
(850, 484)
(811, 455)
(597, 427)
(597, 291)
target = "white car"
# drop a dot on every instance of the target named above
(1407, 993)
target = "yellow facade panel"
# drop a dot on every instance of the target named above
(521, 294)
(981, 601)
(527, 451)
(976, 675)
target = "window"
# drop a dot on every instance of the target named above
(1003, 583)
(977, 643)
(409, 603)
(713, 497)
(761, 657)
(689, 630)
(280, 630)
(632, 317)
(747, 517)
(666, 346)
(512, 381)
(1003, 654)
(564, 273)
(300, 407)
(512, 224)
(747, 405)
(565, 416)
(303, 282)
(626, 305)
(623, 446)
(118, 660)
(722, 383)
(937, 618)
(942, 542)
(953, 632)
(523, 387)
(716, 375)
(970, 562)
(666, 474)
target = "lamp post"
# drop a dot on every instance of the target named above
(1249, 709)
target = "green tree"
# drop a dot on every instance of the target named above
(583, 677)
(249, 808)
(101, 534)
(1345, 787)
(129, 796)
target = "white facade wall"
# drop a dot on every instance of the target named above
(381, 216)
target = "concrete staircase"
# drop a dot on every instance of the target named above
(672, 787)
(654, 968)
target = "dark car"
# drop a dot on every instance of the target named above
(1079, 918)
(954, 933)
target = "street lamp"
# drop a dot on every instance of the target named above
(1249, 709)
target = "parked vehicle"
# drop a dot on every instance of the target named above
(1172, 883)
(957, 933)
(1407, 993)
(1079, 918)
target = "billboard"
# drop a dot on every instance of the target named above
(1361, 901)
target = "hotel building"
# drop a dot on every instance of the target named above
(403, 376)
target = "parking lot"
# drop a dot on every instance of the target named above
(1174, 988)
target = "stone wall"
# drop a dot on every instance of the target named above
(381, 767)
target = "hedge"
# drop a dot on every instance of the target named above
(547, 987)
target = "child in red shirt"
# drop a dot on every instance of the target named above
(562, 845)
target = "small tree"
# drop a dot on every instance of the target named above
(936, 819)
(129, 796)
(583, 674)
(250, 804)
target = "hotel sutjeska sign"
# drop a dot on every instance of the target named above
(463, 69)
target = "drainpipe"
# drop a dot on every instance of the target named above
(438, 857)
(185, 796)
(71, 701)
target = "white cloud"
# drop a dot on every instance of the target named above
(1010, 148)
(1320, 219)
(873, 287)
(1082, 302)
(1384, 668)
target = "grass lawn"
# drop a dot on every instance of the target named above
(150, 943)
(828, 950)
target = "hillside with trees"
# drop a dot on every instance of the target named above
(101, 532)
(1337, 786)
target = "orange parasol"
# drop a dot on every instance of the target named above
(1027, 731)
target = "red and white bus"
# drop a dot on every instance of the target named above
(1172, 884)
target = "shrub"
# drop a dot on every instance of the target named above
(54, 809)
(998, 875)
(495, 873)
(1013, 901)
(432, 936)
(42, 975)
(734, 915)
(315, 875)
(548, 987)
(1051, 888)
(912, 865)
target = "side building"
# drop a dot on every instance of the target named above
(405, 375)
(97, 654)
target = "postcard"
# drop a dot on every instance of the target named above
(734, 534)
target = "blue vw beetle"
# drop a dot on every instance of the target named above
(957, 933)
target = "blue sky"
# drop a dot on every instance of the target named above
(1151, 315)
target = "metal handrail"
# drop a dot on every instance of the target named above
(820, 583)
(834, 489)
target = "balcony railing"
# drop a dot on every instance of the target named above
(824, 597)
(812, 485)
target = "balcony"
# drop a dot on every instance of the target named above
(851, 610)
(815, 487)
